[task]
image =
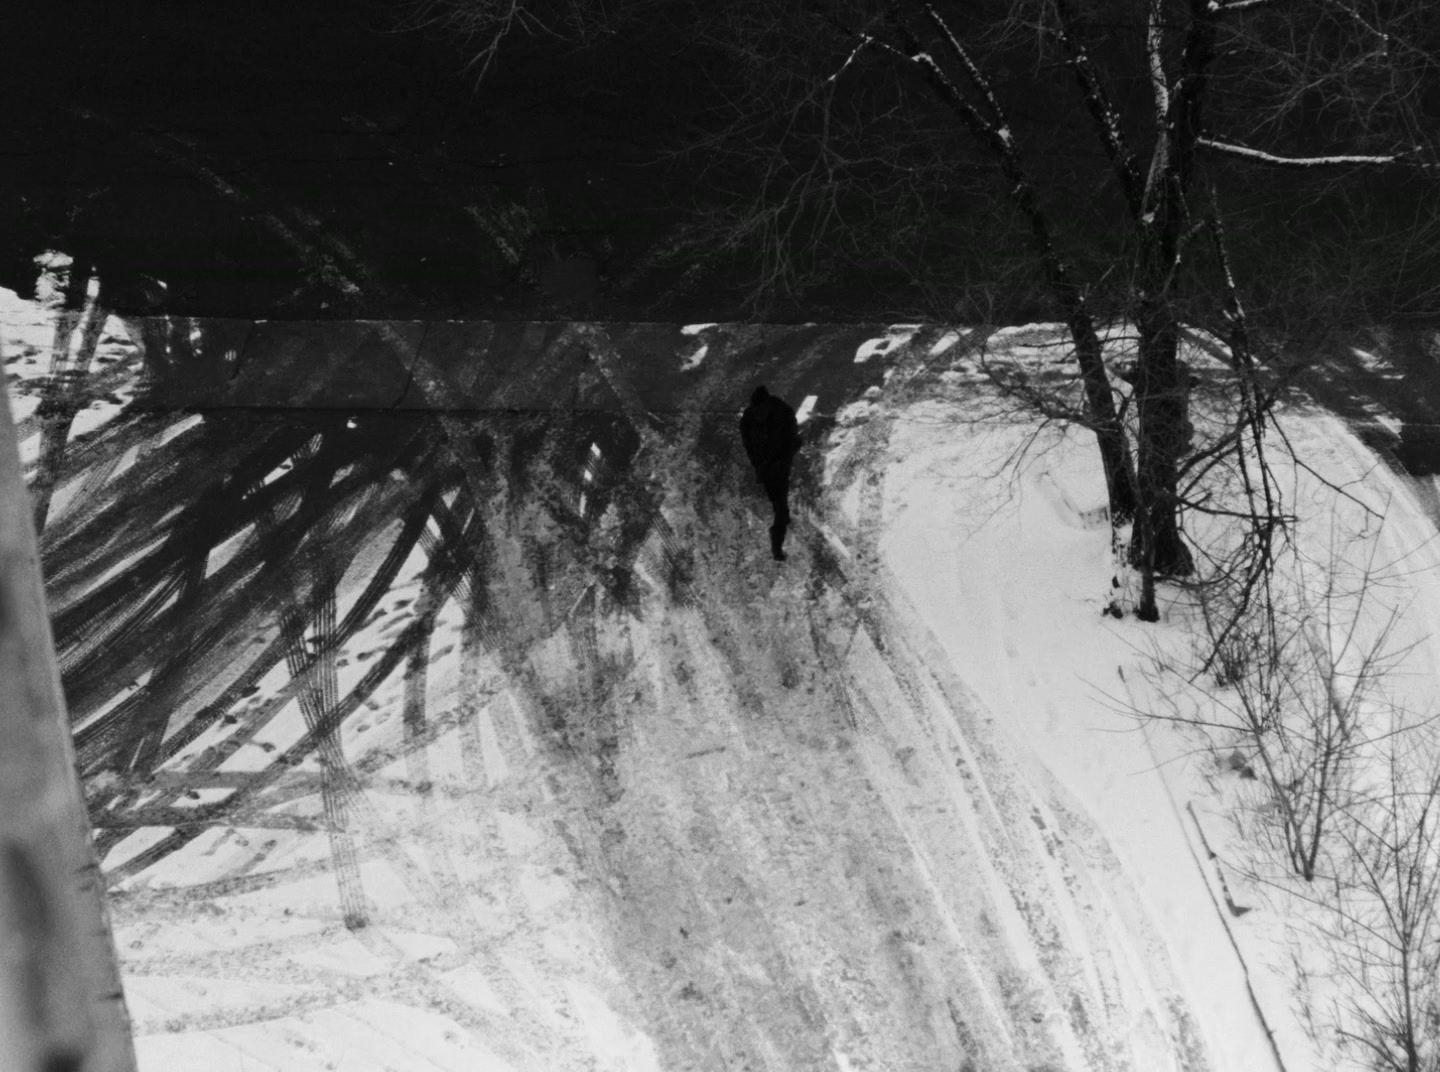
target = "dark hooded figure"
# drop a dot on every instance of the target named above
(772, 437)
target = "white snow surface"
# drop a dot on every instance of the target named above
(895, 338)
(1011, 570)
(999, 542)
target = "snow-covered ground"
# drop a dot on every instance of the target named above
(884, 807)
(995, 533)
(1000, 543)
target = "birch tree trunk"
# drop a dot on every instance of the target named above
(61, 1005)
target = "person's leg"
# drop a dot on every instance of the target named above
(777, 488)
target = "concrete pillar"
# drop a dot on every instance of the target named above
(61, 1005)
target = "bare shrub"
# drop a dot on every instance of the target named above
(1381, 926)
(1295, 681)
(1297, 678)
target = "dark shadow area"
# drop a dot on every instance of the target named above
(230, 544)
(331, 160)
(1392, 370)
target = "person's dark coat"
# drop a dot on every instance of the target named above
(771, 436)
(770, 433)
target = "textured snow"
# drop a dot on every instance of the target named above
(692, 361)
(895, 338)
(1008, 574)
(945, 342)
(1012, 574)
(853, 885)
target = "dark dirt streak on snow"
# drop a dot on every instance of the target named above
(454, 571)
(197, 668)
(775, 1020)
(547, 711)
(607, 839)
(339, 789)
(98, 629)
(247, 683)
(303, 665)
(439, 910)
(110, 527)
(315, 666)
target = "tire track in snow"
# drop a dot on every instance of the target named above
(1077, 952)
(651, 874)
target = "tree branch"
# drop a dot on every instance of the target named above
(1240, 5)
(1262, 157)
(972, 72)
(1102, 110)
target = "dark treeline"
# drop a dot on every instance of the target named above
(667, 158)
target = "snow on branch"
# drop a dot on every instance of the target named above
(864, 41)
(972, 71)
(1263, 157)
(1100, 107)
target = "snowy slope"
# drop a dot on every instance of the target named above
(1005, 555)
(996, 535)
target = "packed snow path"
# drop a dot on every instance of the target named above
(433, 741)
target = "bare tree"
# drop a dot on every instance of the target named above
(1383, 926)
(1346, 792)
(1160, 187)
(484, 26)
(820, 136)
(1301, 679)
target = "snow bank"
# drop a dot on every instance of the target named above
(1002, 544)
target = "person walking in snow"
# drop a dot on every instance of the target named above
(772, 439)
